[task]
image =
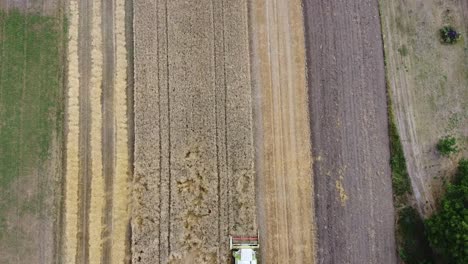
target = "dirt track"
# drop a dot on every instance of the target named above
(353, 193)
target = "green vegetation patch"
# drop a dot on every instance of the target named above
(447, 146)
(448, 35)
(414, 246)
(403, 50)
(448, 229)
(400, 179)
(30, 96)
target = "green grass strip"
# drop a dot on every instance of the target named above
(400, 178)
(30, 101)
(30, 92)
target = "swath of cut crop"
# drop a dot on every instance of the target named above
(97, 181)
(72, 139)
(120, 208)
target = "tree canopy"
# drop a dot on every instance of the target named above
(447, 230)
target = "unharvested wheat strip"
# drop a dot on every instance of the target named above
(120, 208)
(72, 139)
(97, 181)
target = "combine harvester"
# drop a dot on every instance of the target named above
(244, 249)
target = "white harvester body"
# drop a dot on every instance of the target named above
(244, 249)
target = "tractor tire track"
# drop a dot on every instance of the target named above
(84, 55)
(108, 121)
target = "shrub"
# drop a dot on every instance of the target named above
(447, 230)
(449, 35)
(447, 145)
(403, 50)
(400, 179)
(414, 246)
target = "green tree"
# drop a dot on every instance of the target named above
(447, 145)
(447, 230)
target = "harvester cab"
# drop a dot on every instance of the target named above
(244, 249)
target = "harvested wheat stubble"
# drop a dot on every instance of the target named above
(194, 177)
(97, 201)
(285, 184)
(72, 139)
(121, 191)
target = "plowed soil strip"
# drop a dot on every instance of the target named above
(352, 182)
(97, 200)
(72, 139)
(284, 160)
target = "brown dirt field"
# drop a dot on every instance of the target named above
(194, 154)
(284, 161)
(428, 83)
(97, 230)
(352, 183)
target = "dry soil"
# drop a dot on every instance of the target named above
(284, 161)
(353, 192)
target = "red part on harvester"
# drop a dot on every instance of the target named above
(245, 238)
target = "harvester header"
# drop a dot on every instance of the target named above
(244, 249)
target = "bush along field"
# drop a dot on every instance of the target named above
(425, 49)
(443, 237)
(412, 244)
(447, 146)
(30, 131)
(447, 230)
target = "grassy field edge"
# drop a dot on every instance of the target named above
(412, 244)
